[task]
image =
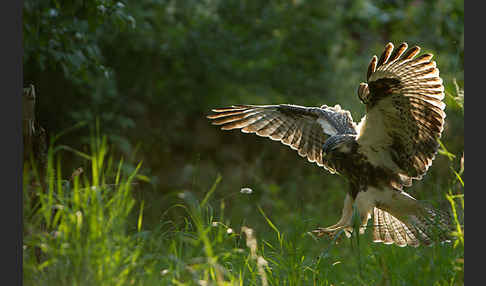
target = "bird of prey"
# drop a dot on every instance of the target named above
(393, 144)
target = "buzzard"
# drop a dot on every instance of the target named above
(393, 144)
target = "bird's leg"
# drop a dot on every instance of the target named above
(343, 223)
(364, 202)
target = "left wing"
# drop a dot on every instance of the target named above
(404, 112)
(304, 129)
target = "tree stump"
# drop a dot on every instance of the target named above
(34, 135)
(35, 156)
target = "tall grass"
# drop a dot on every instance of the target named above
(76, 229)
(90, 239)
(87, 228)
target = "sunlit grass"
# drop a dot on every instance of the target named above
(85, 231)
(76, 229)
(90, 239)
(87, 228)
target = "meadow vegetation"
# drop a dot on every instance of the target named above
(89, 229)
(144, 191)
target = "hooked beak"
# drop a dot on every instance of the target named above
(334, 141)
(330, 144)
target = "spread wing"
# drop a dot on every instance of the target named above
(304, 129)
(404, 112)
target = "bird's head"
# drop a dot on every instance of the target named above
(342, 144)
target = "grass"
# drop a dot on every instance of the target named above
(75, 230)
(90, 228)
(84, 231)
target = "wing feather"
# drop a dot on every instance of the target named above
(304, 129)
(404, 111)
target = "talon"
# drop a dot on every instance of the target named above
(348, 232)
(332, 233)
(320, 232)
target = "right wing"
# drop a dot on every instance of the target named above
(404, 111)
(304, 129)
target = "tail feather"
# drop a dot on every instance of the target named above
(394, 226)
(388, 229)
(432, 225)
(426, 228)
